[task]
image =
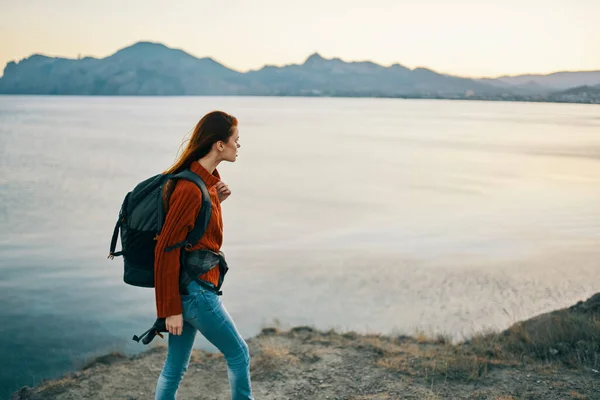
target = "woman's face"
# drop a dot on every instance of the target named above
(230, 150)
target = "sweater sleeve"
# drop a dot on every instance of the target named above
(184, 207)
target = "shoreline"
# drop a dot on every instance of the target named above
(552, 356)
(473, 98)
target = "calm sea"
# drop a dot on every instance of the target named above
(371, 215)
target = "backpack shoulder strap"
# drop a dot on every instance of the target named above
(205, 211)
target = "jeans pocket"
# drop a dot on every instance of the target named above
(189, 306)
(211, 300)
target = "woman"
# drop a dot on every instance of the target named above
(214, 139)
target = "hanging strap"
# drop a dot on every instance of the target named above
(138, 338)
(113, 241)
(156, 329)
(208, 286)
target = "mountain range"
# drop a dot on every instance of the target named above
(148, 68)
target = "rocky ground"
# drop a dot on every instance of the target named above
(554, 356)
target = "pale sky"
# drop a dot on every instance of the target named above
(467, 38)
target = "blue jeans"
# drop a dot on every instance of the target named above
(204, 311)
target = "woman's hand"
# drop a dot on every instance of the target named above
(174, 324)
(223, 191)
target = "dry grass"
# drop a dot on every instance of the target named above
(421, 356)
(378, 344)
(311, 356)
(271, 358)
(560, 337)
(423, 338)
(577, 395)
(384, 396)
(566, 337)
(107, 359)
(563, 337)
(437, 362)
(433, 359)
(53, 388)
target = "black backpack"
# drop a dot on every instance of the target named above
(141, 218)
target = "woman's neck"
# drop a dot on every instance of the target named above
(209, 162)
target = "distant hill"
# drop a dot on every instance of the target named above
(519, 88)
(555, 81)
(587, 94)
(153, 69)
(147, 68)
(142, 69)
(334, 77)
(582, 89)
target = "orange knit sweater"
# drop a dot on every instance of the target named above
(183, 209)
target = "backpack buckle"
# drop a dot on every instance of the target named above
(188, 246)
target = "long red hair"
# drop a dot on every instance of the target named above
(213, 127)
